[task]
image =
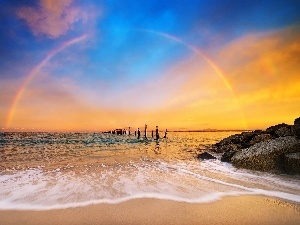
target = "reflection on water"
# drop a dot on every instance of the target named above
(157, 149)
(58, 150)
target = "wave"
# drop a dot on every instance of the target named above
(181, 181)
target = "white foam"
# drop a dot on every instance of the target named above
(190, 182)
(252, 176)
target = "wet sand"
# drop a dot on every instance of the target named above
(230, 210)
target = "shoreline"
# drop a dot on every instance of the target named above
(248, 209)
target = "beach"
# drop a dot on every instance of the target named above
(230, 210)
(94, 178)
(149, 112)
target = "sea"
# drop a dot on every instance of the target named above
(43, 171)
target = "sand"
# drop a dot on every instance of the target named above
(230, 210)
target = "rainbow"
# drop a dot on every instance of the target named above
(212, 64)
(34, 71)
(197, 52)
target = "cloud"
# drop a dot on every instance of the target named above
(52, 18)
(259, 60)
(263, 69)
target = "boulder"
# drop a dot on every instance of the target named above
(260, 138)
(222, 146)
(292, 163)
(240, 141)
(273, 129)
(266, 155)
(296, 128)
(229, 146)
(205, 155)
(246, 138)
(284, 131)
(230, 151)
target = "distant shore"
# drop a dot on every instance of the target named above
(209, 130)
(230, 210)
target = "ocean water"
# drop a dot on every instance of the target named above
(41, 171)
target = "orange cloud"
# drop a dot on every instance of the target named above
(263, 69)
(52, 18)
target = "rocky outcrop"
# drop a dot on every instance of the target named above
(292, 163)
(278, 130)
(235, 143)
(296, 128)
(205, 155)
(275, 149)
(266, 155)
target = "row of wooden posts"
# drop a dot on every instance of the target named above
(138, 132)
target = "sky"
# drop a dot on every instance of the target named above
(84, 65)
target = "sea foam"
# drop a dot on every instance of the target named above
(182, 181)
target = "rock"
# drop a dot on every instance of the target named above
(234, 143)
(230, 147)
(205, 155)
(273, 129)
(260, 138)
(292, 163)
(221, 146)
(296, 128)
(266, 155)
(284, 131)
(239, 140)
(226, 157)
(246, 138)
(230, 151)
